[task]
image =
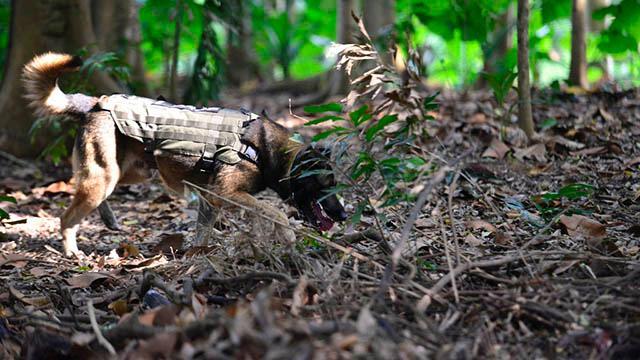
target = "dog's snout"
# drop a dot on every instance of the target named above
(342, 215)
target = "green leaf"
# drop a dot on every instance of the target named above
(314, 109)
(429, 102)
(326, 134)
(357, 215)
(373, 130)
(548, 123)
(576, 191)
(11, 199)
(323, 119)
(3, 215)
(360, 115)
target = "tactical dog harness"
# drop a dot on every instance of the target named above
(211, 133)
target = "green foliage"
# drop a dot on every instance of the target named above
(4, 198)
(395, 168)
(5, 13)
(551, 203)
(548, 124)
(624, 32)
(501, 83)
(208, 68)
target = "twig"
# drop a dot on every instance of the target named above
(253, 276)
(94, 325)
(435, 289)
(346, 250)
(452, 189)
(18, 161)
(447, 255)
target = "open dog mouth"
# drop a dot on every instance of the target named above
(321, 220)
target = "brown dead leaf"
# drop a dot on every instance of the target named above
(578, 225)
(40, 271)
(37, 301)
(160, 346)
(299, 296)
(119, 307)
(537, 152)
(140, 264)
(129, 250)
(589, 151)
(160, 316)
(478, 118)
(497, 149)
(199, 305)
(85, 280)
(16, 260)
(480, 224)
(632, 162)
(503, 238)
(169, 242)
(54, 188)
(472, 240)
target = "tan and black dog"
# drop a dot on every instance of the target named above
(103, 157)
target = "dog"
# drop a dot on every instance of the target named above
(103, 157)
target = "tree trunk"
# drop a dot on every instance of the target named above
(578, 67)
(173, 78)
(525, 120)
(378, 16)
(117, 27)
(36, 27)
(596, 26)
(240, 52)
(344, 35)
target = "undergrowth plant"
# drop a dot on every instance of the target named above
(378, 129)
(550, 204)
(4, 198)
(58, 128)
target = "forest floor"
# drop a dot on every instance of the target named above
(514, 258)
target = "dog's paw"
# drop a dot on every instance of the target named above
(75, 254)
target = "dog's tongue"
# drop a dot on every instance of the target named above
(325, 223)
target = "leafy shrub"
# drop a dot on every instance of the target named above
(4, 198)
(551, 203)
(378, 138)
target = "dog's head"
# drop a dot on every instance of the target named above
(311, 180)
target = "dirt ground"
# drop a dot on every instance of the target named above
(522, 251)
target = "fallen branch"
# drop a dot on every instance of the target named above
(96, 330)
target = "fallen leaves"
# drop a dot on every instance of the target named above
(497, 149)
(86, 280)
(578, 225)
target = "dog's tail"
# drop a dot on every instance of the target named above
(40, 77)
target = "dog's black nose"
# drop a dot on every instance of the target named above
(342, 215)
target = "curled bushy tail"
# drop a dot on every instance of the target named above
(40, 77)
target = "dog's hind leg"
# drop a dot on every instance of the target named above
(91, 191)
(96, 173)
(107, 216)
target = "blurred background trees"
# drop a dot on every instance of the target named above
(199, 50)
